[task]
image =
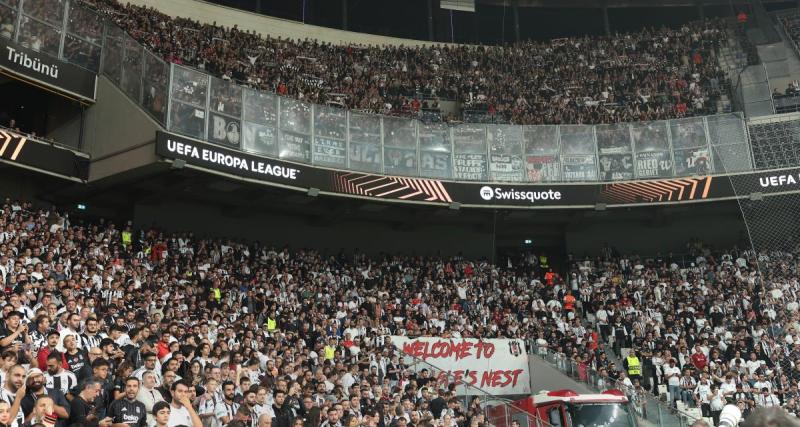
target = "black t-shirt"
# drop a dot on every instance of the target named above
(79, 410)
(79, 364)
(130, 412)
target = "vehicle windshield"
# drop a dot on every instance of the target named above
(601, 415)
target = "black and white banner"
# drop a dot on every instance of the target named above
(295, 146)
(579, 167)
(504, 167)
(400, 161)
(365, 156)
(66, 78)
(653, 164)
(260, 139)
(616, 167)
(329, 152)
(543, 168)
(692, 161)
(471, 167)
(224, 130)
(435, 164)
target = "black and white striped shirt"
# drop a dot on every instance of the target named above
(90, 341)
(8, 397)
(63, 381)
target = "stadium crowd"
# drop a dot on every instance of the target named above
(653, 74)
(117, 326)
(722, 329)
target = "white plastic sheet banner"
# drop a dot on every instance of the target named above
(493, 366)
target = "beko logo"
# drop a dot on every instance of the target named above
(489, 193)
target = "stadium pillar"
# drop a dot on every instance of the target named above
(515, 11)
(344, 15)
(258, 6)
(430, 20)
(606, 23)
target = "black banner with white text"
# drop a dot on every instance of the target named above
(431, 190)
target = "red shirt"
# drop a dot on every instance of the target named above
(699, 360)
(41, 358)
(162, 349)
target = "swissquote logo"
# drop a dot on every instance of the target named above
(502, 194)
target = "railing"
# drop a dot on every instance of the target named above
(647, 407)
(192, 103)
(63, 29)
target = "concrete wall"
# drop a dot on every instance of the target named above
(275, 27)
(118, 134)
(64, 125)
(280, 230)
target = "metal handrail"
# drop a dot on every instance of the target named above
(646, 406)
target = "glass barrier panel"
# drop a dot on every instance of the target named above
(651, 143)
(132, 69)
(435, 157)
(330, 137)
(690, 151)
(49, 11)
(40, 37)
(154, 94)
(470, 156)
(261, 118)
(614, 158)
(295, 146)
(330, 122)
(187, 119)
(578, 153)
(260, 139)
(189, 86)
(226, 98)
(400, 146)
(542, 160)
(505, 153)
(294, 137)
(113, 31)
(8, 21)
(613, 138)
(731, 149)
(84, 23)
(225, 113)
(82, 53)
(365, 142)
(295, 116)
(260, 107)
(112, 60)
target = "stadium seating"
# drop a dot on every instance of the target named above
(654, 74)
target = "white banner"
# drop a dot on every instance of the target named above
(494, 366)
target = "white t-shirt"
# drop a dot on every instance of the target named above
(675, 380)
(179, 417)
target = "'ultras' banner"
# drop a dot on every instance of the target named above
(494, 366)
(373, 185)
(71, 80)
